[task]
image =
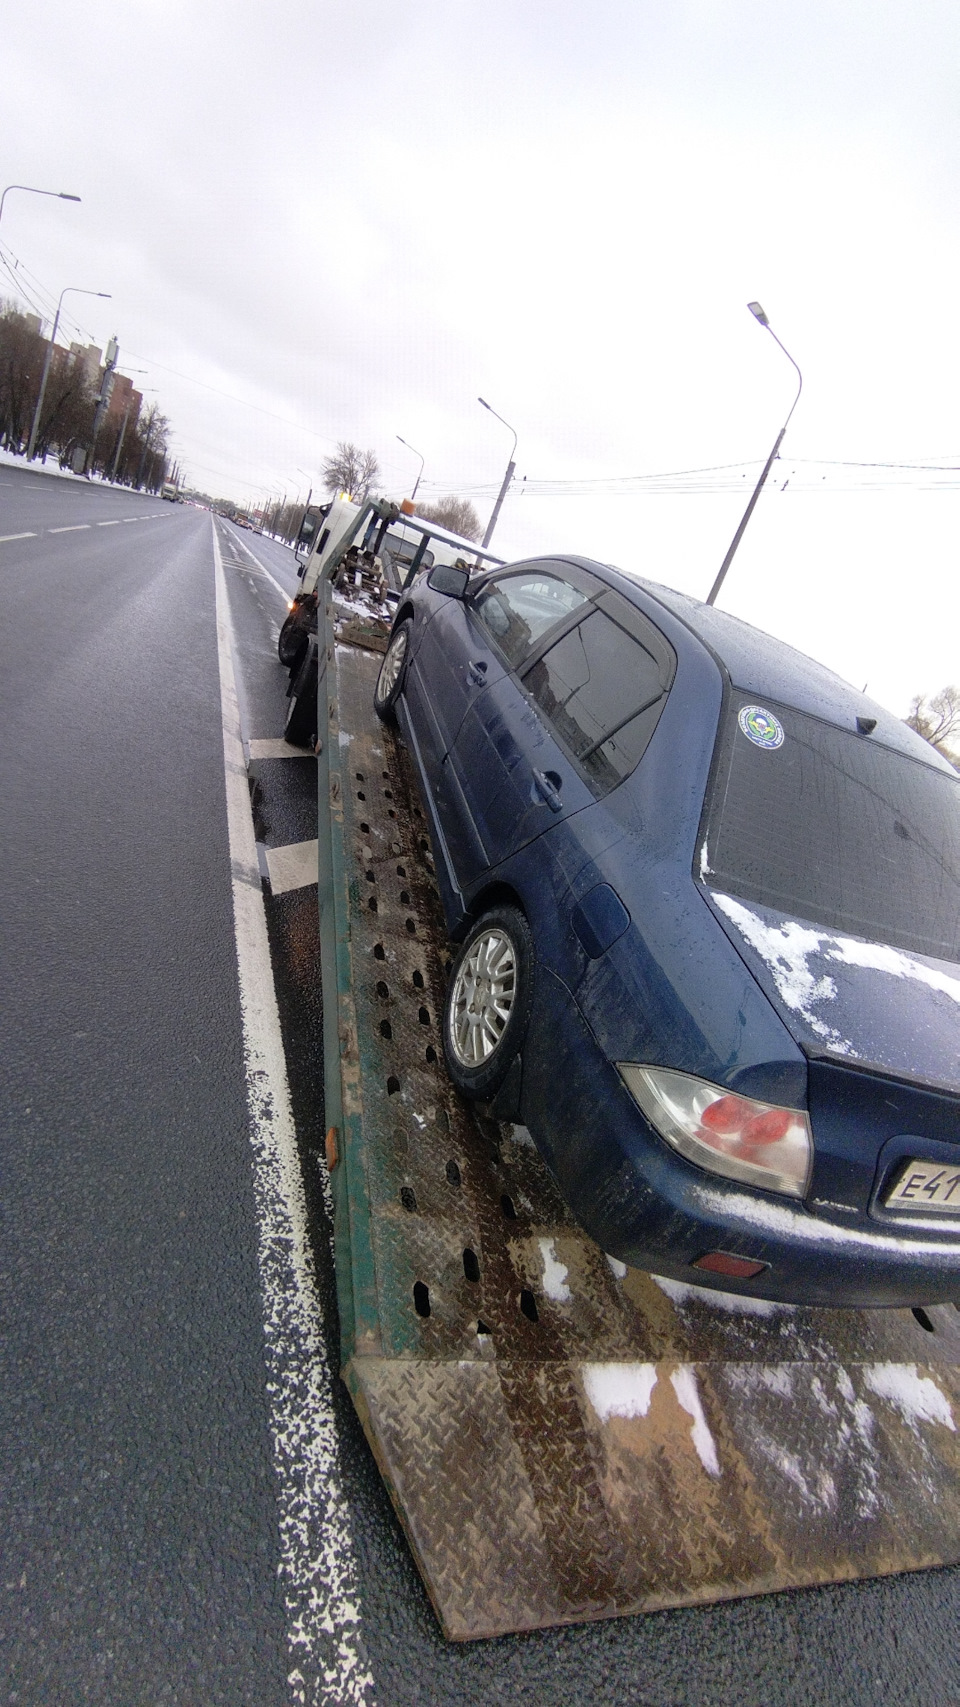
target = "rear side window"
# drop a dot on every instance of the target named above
(518, 610)
(603, 692)
(830, 826)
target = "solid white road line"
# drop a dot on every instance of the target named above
(4, 537)
(277, 749)
(317, 1562)
(292, 867)
(76, 528)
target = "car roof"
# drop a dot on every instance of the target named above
(757, 663)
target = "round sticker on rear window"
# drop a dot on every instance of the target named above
(760, 727)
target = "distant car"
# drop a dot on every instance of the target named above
(708, 900)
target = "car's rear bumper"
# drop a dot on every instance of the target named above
(649, 1207)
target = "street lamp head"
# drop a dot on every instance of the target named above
(65, 196)
(758, 313)
(485, 403)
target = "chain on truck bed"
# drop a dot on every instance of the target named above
(563, 1439)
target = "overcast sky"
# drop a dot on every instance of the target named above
(345, 219)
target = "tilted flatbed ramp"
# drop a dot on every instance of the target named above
(562, 1439)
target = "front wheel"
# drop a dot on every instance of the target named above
(488, 1002)
(390, 680)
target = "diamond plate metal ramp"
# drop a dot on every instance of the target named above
(563, 1439)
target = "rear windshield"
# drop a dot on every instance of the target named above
(832, 827)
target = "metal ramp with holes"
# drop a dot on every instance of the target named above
(563, 1439)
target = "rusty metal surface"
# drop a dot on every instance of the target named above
(563, 1441)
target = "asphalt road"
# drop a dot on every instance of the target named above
(142, 1496)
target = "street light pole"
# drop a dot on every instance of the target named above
(511, 469)
(76, 290)
(419, 476)
(61, 194)
(758, 314)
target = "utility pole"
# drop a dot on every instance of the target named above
(759, 315)
(511, 468)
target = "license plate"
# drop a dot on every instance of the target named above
(926, 1186)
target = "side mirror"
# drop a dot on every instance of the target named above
(444, 578)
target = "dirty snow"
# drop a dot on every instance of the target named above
(617, 1268)
(843, 1448)
(916, 1397)
(684, 1383)
(681, 1294)
(619, 1389)
(554, 1273)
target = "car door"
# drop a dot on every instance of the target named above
(452, 662)
(511, 613)
(558, 733)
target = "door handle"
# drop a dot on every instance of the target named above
(549, 784)
(477, 672)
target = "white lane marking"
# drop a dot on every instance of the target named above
(115, 524)
(134, 519)
(277, 749)
(5, 537)
(260, 565)
(317, 1563)
(292, 867)
(77, 527)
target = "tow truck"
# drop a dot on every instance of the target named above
(562, 1438)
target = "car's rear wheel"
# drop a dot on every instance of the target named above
(390, 680)
(488, 1002)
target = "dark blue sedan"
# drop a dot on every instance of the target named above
(708, 905)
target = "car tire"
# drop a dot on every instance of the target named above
(487, 1008)
(300, 729)
(292, 640)
(390, 680)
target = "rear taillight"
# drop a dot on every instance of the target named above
(757, 1142)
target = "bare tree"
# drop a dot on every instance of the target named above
(457, 514)
(350, 470)
(937, 718)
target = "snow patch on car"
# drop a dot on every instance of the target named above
(916, 1397)
(619, 1389)
(554, 1273)
(797, 1224)
(786, 949)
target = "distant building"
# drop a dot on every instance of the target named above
(88, 358)
(122, 397)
